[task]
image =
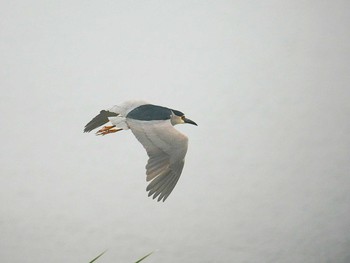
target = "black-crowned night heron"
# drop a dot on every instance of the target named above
(152, 125)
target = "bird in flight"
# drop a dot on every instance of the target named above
(152, 125)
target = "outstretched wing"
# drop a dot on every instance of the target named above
(166, 148)
(99, 120)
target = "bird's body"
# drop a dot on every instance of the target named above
(152, 125)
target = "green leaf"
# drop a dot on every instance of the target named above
(97, 257)
(144, 257)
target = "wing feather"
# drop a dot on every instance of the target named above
(166, 148)
(99, 120)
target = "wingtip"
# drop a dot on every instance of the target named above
(99, 120)
(86, 130)
(155, 195)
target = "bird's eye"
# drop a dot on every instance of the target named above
(183, 117)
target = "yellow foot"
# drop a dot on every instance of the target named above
(107, 130)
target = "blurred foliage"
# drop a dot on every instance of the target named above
(135, 261)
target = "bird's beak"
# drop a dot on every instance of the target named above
(189, 121)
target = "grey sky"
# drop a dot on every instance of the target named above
(266, 177)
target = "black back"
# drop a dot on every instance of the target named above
(151, 112)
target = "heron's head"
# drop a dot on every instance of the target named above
(177, 117)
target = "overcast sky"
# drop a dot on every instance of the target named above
(266, 177)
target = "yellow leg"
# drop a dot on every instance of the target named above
(107, 130)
